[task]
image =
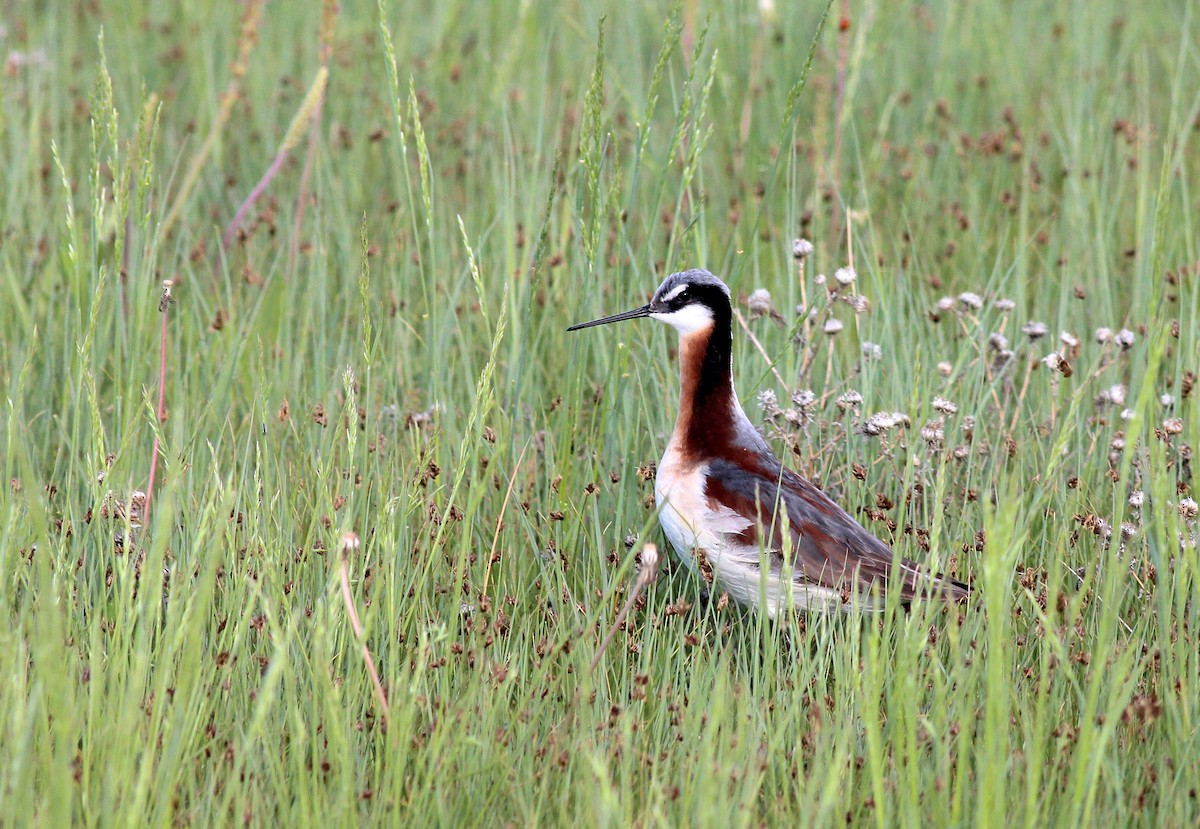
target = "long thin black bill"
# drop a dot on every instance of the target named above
(644, 311)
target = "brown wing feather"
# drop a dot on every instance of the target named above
(829, 547)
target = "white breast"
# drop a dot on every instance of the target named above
(697, 531)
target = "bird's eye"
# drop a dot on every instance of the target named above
(682, 297)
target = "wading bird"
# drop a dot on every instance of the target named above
(734, 514)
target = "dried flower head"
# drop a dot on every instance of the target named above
(945, 304)
(1052, 361)
(944, 406)
(849, 399)
(845, 276)
(1167, 401)
(1137, 498)
(971, 300)
(1068, 339)
(1125, 339)
(1004, 305)
(1035, 330)
(1188, 508)
(648, 561)
(1114, 394)
(872, 351)
(945, 368)
(933, 434)
(768, 403)
(1103, 335)
(881, 422)
(804, 398)
(759, 302)
(998, 342)
(858, 302)
(833, 327)
(802, 249)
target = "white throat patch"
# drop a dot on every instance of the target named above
(688, 319)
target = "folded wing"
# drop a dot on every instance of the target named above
(827, 546)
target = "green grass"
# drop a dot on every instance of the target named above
(483, 177)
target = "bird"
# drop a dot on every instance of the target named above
(735, 515)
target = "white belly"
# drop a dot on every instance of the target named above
(705, 540)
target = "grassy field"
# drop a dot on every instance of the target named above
(378, 222)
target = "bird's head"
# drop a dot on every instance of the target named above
(689, 301)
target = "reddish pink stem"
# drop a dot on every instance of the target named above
(161, 409)
(258, 190)
(357, 627)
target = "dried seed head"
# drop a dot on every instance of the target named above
(1103, 335)
(768, 403)
(1137, 498)
(804, 398)
(845, 276)
(1114, 395)
(998, 342)
(165, 299)
(1035, 330)
(1052, 361)
(759, 302)
(802, 249)
(933, 433)
(849, 399)
(945, 304)
(648, 571)
(971, 300)
(1167, 400)
(1068, 339)
(349, 543)
(1188, 508)
(858, 302)
(1173, 425)
(1128, 530)
(944, 406)
(1004, 305)
(881, 422)
(872, 351)
(833, 327)
(945, 369)
(1125, 339)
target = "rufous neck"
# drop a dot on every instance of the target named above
(707, 405)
